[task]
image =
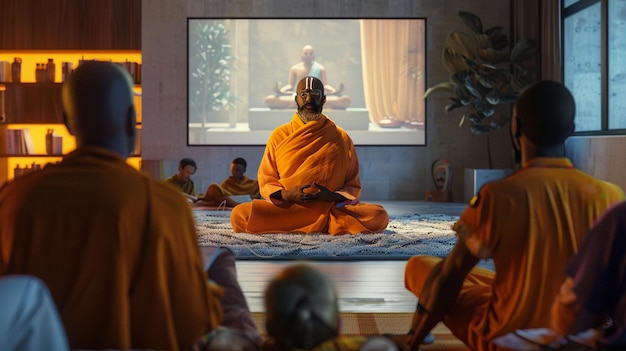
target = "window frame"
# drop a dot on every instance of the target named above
(571, 10)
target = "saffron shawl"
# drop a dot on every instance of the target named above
(315, 152)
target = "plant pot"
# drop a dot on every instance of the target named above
(475, 178)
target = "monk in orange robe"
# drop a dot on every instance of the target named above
(530, 224)
(309, 175)
(117, 250)
(236, 184)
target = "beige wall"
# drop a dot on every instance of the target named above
(602, 157)
(388, 173)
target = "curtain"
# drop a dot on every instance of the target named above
(540, 21)
(551, 43)
(393, 56)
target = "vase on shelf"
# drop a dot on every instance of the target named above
(66, 69)
(49, 141)
(50, 71)
(16, 70)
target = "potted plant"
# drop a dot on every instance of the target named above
(210, 69)
(485, 73)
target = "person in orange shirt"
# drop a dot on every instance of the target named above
(530, 223)
(236, 184)
(589, 310)
(593, 295)
(309, 176)
(117, 249)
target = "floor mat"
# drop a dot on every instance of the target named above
(404, 237)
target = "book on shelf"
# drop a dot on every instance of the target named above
(28, 142)
(137, 150)
(57, 145)
(19, 142)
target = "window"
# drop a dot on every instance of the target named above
(594, 68)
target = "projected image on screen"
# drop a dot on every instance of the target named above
(242, 74)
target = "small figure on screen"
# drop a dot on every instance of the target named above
(283, 97)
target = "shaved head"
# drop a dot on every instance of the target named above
(307, 54)
(310, 98)
(98, 107)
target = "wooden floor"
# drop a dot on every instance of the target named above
(363, 286)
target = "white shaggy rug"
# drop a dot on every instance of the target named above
(404, 237)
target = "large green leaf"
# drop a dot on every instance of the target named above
(463, 95)
(453, 61)
(462, 43)
(493, 56)
(483, 41)
(497, 39)
(491, 76)
(524, 49)
(455, 104)
(447, 86)
(472, 21)
(484, 73)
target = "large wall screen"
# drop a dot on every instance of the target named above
(239, 73)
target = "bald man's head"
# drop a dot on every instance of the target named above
(307, 54)
(310, 98)
(98, 107)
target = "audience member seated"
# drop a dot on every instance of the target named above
(224, 339)
(182, 180)
(302, 313)
(309, 176)
(589, 310)
(117, 250)
(236, 184)
(283, 97)
(530, 223)
(29, 319)
(593, 295)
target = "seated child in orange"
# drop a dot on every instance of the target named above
(237, 184)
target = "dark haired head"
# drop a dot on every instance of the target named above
(545, 113)
(187, 162)
(301, 307)
(240, 161)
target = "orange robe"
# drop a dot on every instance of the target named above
(117, 250)
(530, 223)
(298, 154)
(233, 186)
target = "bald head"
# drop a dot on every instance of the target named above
(307, 54)
(98, 107)
(310, 98)
(545, 113)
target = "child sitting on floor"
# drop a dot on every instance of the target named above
(302, 313)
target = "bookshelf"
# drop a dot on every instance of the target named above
(29, 109)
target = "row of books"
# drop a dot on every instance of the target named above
(20, 142)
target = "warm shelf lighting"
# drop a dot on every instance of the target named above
(31, 58)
